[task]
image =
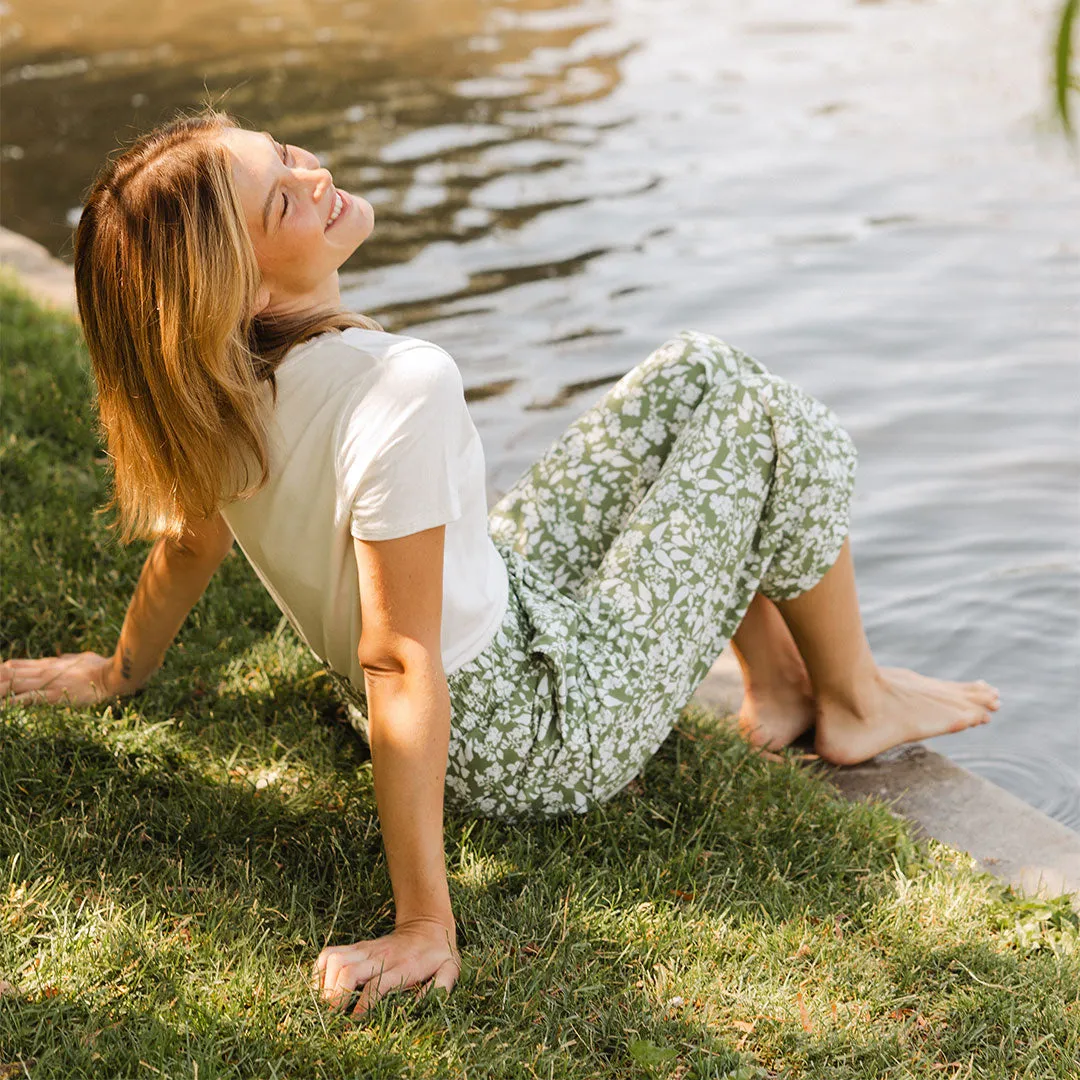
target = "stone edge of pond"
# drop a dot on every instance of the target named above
(46, 278)
(1011, 840)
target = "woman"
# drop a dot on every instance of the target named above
(526, 661)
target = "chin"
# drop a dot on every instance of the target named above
(367, 213)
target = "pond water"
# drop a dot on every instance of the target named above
(869, 197)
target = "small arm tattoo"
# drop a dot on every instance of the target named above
(125, 664)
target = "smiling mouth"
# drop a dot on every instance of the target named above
(340, 203)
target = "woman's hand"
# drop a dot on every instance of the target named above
(74, 679)
(416, 951)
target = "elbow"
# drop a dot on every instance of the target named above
(381, 665)
(402, 659)
(212, 552)
(204, 541)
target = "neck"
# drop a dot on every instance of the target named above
(327, 295)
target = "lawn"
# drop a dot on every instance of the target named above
(171, 866)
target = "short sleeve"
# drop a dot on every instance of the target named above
(401, 444)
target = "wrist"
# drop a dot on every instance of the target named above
(119, 676)
(442, 920)
(114, 682)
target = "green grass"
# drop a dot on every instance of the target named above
(170, 868)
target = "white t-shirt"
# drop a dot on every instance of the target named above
(371, 438)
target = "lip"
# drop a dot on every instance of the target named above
(346, 202)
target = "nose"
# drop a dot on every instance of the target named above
(318, 179)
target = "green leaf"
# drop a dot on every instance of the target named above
(645, 1053)
(1062, 57)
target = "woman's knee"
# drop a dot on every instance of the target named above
(809, 436)
(711, 359)
(724, 361)
(809, 506)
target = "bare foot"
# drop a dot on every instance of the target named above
(899, 706)
(774, 716)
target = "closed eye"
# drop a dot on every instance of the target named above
(284, 197)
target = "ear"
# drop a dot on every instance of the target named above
(262, 300)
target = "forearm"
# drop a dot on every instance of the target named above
(169, 586)
(409, 733)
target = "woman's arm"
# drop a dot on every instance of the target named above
(173, 578)
(409, 732)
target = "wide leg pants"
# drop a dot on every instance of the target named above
(634, 547)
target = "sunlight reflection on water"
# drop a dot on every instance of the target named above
(863, 196)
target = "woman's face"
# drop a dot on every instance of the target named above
(301, 226)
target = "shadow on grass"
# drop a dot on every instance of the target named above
(76, 1036)
(564, 920)
(625, 941)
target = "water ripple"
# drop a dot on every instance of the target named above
(561, 185)
(1047, 782)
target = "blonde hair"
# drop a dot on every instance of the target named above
(166, 282)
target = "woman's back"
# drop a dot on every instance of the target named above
(371, 438)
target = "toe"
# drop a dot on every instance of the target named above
(984, 695)
(977, 717)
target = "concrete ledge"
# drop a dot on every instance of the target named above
(1010, 839)
(46, 278)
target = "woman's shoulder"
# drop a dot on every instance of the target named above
(362, 373)
(361, 350)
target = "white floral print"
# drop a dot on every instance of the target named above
(634, 547)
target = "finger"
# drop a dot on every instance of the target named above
(29, 697)
(64, 664)
(50, 696)
(330, 970)
(376, 988)
(444, 979)
(37, 674)
(30, 683)
(23, 690)
(328, 951)
(19, 674)
(352, 975)
(318, 971)
(337, 981)
(48, 664)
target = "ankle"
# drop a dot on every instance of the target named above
(859, 694)
(781, 665)
(777, 680)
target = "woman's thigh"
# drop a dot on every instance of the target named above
(754, 496)
(512, 754)
(566, 510)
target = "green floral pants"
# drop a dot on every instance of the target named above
(634, 547)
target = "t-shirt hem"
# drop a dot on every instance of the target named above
(406, 528)
(484, 636)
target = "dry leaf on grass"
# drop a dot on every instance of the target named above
(804, 1013)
